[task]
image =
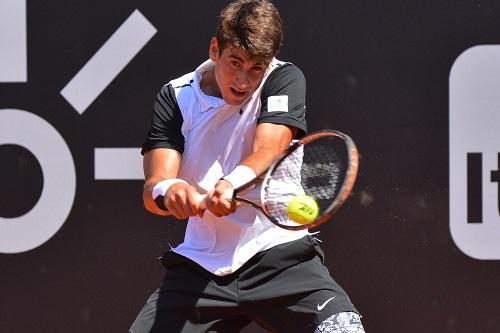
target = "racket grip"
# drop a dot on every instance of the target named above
(201, 200)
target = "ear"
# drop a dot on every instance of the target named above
(213, 51)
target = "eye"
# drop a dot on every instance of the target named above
(235, 63)
(257, 69)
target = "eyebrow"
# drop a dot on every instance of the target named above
(237, 57)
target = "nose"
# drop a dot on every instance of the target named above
(242, 80)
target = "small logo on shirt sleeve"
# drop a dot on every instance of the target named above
(277, 103)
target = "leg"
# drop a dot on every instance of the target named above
(297, 294)
(304, 313)
(191, 301)
(344, 322)
(150, 321)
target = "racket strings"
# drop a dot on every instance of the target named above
(283, 184)
(316, 169)
(322, 172)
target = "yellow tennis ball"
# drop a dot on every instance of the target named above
(303, 209)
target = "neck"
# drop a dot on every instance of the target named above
(209, 85)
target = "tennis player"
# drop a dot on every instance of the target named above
(213, 130)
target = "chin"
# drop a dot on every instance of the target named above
(233, 101)
(237, 100)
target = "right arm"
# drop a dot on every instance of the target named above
(162, 157)
(180, 199)
(159, 164)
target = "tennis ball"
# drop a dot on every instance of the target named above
(303, 209)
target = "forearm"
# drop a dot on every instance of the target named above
(270, 141)
(261, 158)
(159, 164)
(147, 196)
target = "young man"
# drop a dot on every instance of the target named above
(213, 130)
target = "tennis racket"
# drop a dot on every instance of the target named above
(307, 183)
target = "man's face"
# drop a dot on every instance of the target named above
(237, 73)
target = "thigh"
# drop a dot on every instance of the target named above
(300, 298)
(188, 301)
(154, 320)
(300, 313)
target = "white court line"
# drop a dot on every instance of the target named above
(118, 163)
(13, 57)
(108, 61)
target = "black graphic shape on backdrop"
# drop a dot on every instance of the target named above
(474, 188)
(21, 181)
(495, 178)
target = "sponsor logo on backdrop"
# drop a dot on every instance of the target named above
(23, 128)
(475, 152)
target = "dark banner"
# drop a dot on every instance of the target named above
(415, 83)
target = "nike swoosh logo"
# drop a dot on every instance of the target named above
(322, 306)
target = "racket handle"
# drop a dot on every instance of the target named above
(201, 200)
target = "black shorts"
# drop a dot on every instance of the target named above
(284, 289)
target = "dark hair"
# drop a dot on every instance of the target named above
(252, 25)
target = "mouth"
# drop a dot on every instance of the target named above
(238, 92)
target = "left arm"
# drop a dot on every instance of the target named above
(270, 141)
(277, 125)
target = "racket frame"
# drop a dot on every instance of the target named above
(343, 194)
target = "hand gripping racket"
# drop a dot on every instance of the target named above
(307, 183)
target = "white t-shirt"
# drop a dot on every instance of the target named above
(214, 138)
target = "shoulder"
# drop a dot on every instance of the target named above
(172, 89)
(282, 69)
(183, 81)
(282, 75)
(283, 97)
(182, 91)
